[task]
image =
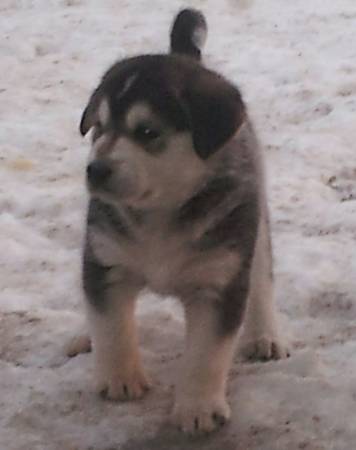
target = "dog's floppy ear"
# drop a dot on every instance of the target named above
(90, 113)
(216, 112)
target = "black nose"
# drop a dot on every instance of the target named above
(98, 172)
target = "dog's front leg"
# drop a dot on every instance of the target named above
(118, 369)
(200, 397)
(261, 339)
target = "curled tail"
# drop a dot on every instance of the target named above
(188, 34)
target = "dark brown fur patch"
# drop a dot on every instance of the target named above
(238, 229)
(235, 300)
(94, 279)
(106, 217)
(182, 92)
(206, 200)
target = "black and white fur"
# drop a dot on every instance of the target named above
(177, 205)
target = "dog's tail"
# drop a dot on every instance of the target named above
(189, 32)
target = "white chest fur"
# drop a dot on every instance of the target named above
(166, 261)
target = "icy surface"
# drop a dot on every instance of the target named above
(295, 62)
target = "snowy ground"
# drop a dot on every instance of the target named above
(295, 62)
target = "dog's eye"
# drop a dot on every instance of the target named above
(145, 133)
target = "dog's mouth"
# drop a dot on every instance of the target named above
(116, 191)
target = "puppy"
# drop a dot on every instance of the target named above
(177, 205)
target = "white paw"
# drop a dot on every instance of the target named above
(200, 415)
(131, 385)
(78, 344)
(263, 347)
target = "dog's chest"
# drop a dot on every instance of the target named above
(163, 258)
(154, 255)
(166, 262)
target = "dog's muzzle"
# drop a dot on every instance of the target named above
(98, 173)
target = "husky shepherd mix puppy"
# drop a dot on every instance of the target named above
(177, 205)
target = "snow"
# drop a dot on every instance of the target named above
(295, 63)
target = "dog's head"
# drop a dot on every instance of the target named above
(157, 121)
